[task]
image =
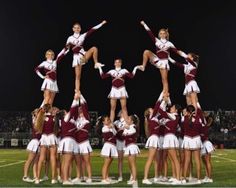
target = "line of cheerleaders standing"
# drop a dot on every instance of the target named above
(170, 130)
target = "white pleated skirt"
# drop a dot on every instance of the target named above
(131, 149)
(50, 85)
(66, 145)
(192, 143)
(118, 93)
(152, 142)
(207, 148)
(191, 87)
(33, 146)
(109, 150)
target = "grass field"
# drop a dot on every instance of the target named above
(12, 161)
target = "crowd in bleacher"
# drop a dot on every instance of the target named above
(222, 131)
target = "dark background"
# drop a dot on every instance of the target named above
(29, 28)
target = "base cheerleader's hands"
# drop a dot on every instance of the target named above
(141, 67)
(77, 95)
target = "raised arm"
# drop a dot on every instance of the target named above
(89, 32)
(84, 107)
(62, 54)
(180, 65)
(149, 31)
(185, 56)
(157, 105)
(165, 114)
(73, 113)
(104, 75)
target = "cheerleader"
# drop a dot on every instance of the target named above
(192, 144)
(207, 149)
(67, 143)
(47, 71)
(151, 119)
(190, 70)
(118, 90)
(160, 59)
(109, 150)
(75, 42)
(33, 148)
(82, 139)
(130, 134)
(171, 143)
(48, 142)
(120, 143)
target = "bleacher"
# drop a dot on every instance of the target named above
(15, 129)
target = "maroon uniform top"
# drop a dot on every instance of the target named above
(130, 135)
(48, 125)
(49, 68)
(76, 41)
(68, 126)
(163, 47)
(171, 123)
(83, 123)
(193, 129)
(118, 76)
(190, 69)
(204, 133)
(109, 134)
(153, 121)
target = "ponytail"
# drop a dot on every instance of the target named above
(59, 116)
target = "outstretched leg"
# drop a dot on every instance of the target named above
(93, 52)
(147, 55)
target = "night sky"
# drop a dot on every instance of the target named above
(29, 28)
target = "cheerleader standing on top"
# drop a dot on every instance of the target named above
(160, 58)
(151, 119)
(67, 143)
(82, 140)
(33, 148)
(47, 70)
(80, 57)
(118, 90)
(109, 150)
(190, 70)
(48, 142)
